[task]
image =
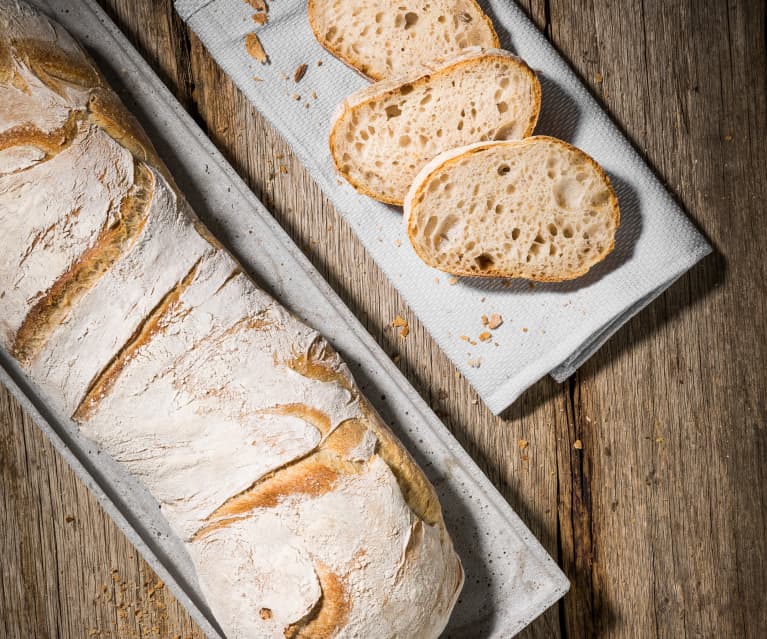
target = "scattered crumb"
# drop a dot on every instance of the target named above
(436, 280)
(319, 63)
(494, 322)
(300, 72)
(475, 363)
(314, 95)
(397, 243)
(69, 519)
(255, 48)
(524, 329)
(259, 18)
(296, 96)
(485, 336)
(578, 444)
(728, 138)
(257, 79)
(484, 320)
(265, 613)
(522, 443)
(258, 5)
(396, 359)
(283, 168)
(659, 440)
(401, 323)
(598, 78)
(475, 401)
(466, 338)
(452, 281)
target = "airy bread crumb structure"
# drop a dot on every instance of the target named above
(385, 133)
(538, 209)
(387, 38)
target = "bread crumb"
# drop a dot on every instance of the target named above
(659, 440)
(485, 336)
(495, 321)
(255, 48)
(283, 168)
(265, 613)
(300, 72)
(475, 363)
(522, 443)
(69, 519)
(401, 323)
(257, 79)
(466, 338)
(728, 138)
(296, 96)
(396, 359)
(319, 63)
(314, 95)
(578, 444)
(484, 320)
(452, 281)
(397, 243)
(525, 458)
(598, 78)
(258, 5)
(524, 329)
(259, 18)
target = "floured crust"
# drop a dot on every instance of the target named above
(384, 89)
(358, 62)
(445, 161)
(303, 514)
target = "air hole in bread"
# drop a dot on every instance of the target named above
(599, 199)
(379, 17)
(507, 131)
(568, 231)
(406, 89)
(441, 19)
(404, 140)
(392, 111)
(535, 249)
(539, 239)
(498, 209)
(425, 99)
(515, 233)
(503, 169)
(460, 125)
(410, 19)
(552, 249)
(553, 228)
(484, 261)
(502, 107)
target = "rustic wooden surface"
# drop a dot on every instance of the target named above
(659, 520)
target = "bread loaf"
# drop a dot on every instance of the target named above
(391, 38)
(385, 133)
(537, 208)
(302, 513)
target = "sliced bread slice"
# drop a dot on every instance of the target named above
(387, 38)
(538, 209)
(385, 133)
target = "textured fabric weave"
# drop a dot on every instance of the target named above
(548, 328)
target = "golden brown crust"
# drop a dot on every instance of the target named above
(329, 614)
(360, 66)
(143, 334)
(50, 142)
(112, 242)
(613, 198)
(426, 77)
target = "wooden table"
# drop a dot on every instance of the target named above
(659, 520)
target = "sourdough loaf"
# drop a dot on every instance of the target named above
(302, 513)
(536, 208)
(385, 133)
(393, 37)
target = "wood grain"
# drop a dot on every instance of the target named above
(659, 520)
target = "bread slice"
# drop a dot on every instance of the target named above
(385, 133)
(386, 38)
(538, 209)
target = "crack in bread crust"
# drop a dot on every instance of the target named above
(113, 241)
(103, 382)
(330, 612)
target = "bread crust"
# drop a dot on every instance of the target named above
(243, 423)
(381, 89)
(454, 156)
(358, 65)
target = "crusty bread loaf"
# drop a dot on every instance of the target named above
(537, 208)
(385, 133)
(391, 38)
(302, 513)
